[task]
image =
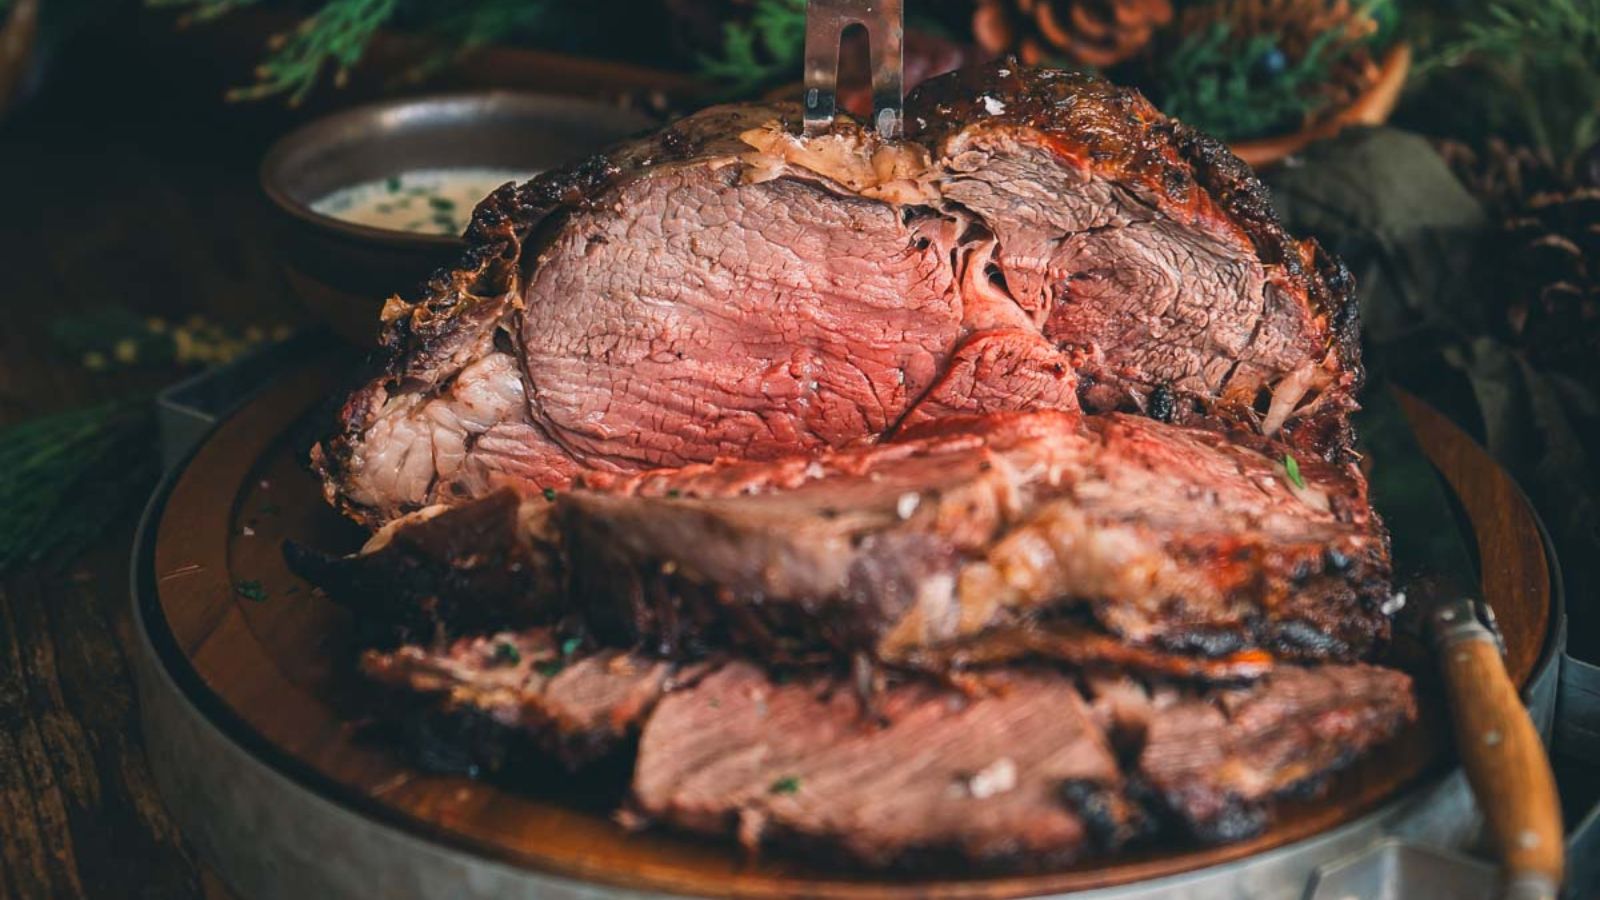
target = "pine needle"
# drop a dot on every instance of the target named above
(1533, 67)
(333, 39)
(65, 477)
(761, 51)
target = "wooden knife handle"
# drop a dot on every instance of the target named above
(1502, 753)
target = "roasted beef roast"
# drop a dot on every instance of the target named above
(1043, 240)
(983, 497)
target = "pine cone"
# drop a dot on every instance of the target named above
(1296, 26)
(1554, 308)
(1549, 256)
(1502, 177)
(1096, 33)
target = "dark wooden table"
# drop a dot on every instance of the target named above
(122, 183)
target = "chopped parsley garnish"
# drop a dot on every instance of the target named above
(392, 183)
(788, 784)
(507, 653)
(571, 645)
(674, 493)
(251, 590)
(550, 494)
(444, 204)
(1292, 467)
(550, 667)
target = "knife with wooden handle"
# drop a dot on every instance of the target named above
(1499, 747)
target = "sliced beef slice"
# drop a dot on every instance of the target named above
(1018, 771)
(724, 287)
(1019, 776)
(1171, 537)
(443, 570)
(528, 688)
(1214, 762)
(1019, 767)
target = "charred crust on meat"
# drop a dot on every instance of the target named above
(1206, 642)
(469, 568)
(1236, 820)
(1298, 638)
(1112, 819)
(675, 144)
(1344, 311)
(1162, 403)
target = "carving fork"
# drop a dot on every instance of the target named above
(826, 21)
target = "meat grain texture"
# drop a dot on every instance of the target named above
(988, 495)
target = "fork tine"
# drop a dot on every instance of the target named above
(826, 21)
(887, 35)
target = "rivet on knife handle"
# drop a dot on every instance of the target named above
(1501, 751)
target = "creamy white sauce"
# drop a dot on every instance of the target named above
(422, 201)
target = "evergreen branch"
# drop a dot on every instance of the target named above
(336, 35)
(765, 49)
(65, 477)
(1533, 66)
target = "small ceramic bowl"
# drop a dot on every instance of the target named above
(344, 271)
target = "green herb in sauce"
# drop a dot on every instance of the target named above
(422, 201)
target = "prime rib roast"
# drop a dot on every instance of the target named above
(988, 494)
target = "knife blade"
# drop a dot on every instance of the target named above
(1496, 740)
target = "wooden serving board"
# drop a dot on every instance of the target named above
(271, 667)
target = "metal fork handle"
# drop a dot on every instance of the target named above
(826, 21)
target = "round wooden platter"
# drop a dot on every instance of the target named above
(266, 660)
